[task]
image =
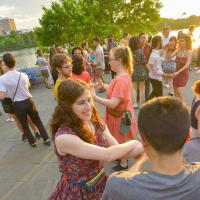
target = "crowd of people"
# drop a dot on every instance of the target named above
(168, 134)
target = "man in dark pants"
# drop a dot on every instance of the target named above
(155, 69)
(14, 85)
(146, 48)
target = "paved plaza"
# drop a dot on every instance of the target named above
(28, 173)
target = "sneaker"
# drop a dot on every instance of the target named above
(116, 161)
(37, 136)
(118, 168)
(135, 106)
(47, 142)
(167, 86)
(170, 94)
(10, 120)
(24, 138)
(34, 144)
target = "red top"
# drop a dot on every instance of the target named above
(147, 50)
(76, 170)
(84, 76)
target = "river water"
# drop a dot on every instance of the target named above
(24, 57)
(27, 57)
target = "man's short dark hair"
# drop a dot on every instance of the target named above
(164, 122)
(83, 44)
(75, 48)
(96, 39)
(57, 45)
(143, 33)
(9, 60)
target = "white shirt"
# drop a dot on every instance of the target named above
(8, 84)
(42, 63)
(155, 68)
(165, 40)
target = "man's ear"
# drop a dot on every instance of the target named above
(189, 136)
(142, 140)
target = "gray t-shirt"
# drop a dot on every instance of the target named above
(42, 62)
(155, 186)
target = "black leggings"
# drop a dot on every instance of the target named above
(157, 89)
(24, 108)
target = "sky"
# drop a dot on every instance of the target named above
(27, 12)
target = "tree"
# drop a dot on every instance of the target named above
(78, 20)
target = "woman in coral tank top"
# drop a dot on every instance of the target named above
(119, 97)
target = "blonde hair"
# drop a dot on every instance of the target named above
(196, 87)
(126, 57)
(166, 28)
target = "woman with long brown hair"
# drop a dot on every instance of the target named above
(183, 61)
(82, 143)
(118, 99)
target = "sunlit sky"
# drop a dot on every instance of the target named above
(27, 12)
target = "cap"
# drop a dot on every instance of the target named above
(110, 35)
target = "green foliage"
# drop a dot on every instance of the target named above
(177, 24)
(16, 41)
(81, 20)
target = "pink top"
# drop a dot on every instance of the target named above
(84, 76)
(121, 88)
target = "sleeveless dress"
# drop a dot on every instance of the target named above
(139, 72)
(120, 87)
(76, 170)
(181, 79)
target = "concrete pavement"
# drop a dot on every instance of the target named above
(28, 173)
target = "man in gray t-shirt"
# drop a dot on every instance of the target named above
(152, 185)
(170, 178)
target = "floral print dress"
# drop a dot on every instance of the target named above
(139, 72)
(77, 170)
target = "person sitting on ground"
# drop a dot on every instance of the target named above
(163, 140)
(78, 69)
(43, 66)
(63, 65)
(191, 150)
(82, 143)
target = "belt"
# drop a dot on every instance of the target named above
(88, 185)
(15, 102)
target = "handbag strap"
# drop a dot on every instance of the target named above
(17, 87)
(124, 100)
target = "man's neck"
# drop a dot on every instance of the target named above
(12, 69)
(167, 164)
(166, 36)
(61, 77)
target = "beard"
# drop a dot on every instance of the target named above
(67, 75)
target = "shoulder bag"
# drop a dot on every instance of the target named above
(7, 103)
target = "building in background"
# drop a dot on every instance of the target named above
(7, 25)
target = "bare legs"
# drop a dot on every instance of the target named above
(135, 93)
(46, 83)
(178, 92)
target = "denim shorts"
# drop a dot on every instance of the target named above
(169, 66)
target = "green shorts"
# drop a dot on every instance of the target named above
(45, 73)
